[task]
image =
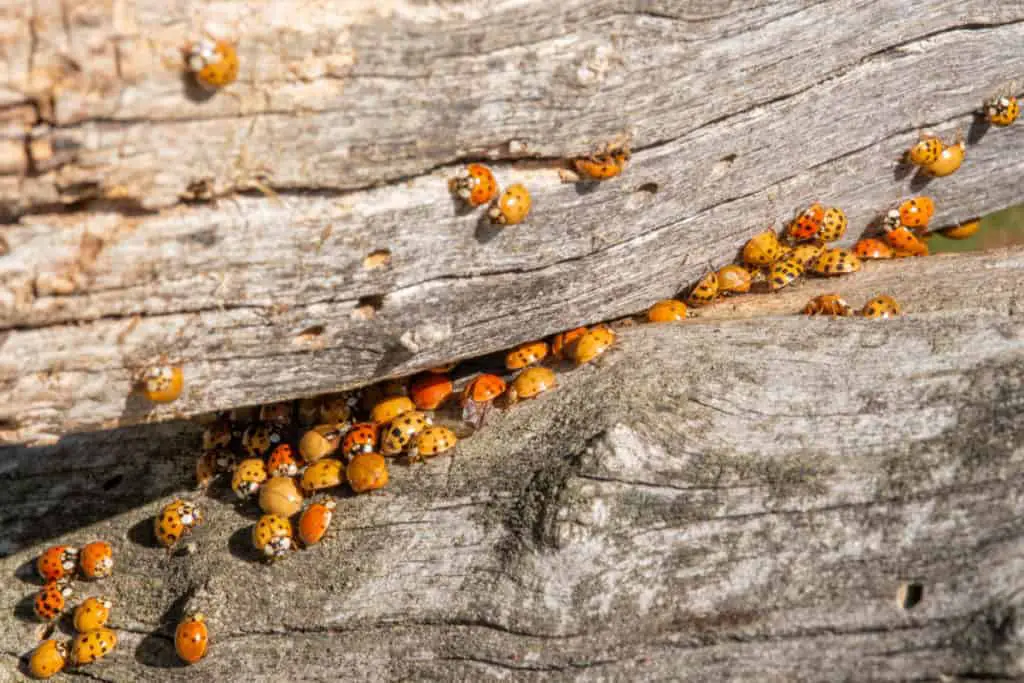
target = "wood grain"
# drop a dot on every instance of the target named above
(715, 500)
(739, 114)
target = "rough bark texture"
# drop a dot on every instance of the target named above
(739, 113)
(707, 502)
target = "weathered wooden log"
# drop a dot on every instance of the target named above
(771, 499)
(355, 117)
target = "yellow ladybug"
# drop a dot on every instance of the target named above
(272, 536)
(531, 382)
(401, 431)
(432, 441)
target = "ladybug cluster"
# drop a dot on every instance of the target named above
(58, 566)
(882, 306)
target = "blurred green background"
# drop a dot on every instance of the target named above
(1000, 229)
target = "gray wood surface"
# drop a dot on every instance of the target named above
(739, 114)
(732, 500)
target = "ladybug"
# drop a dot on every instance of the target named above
(362, 438)
(916, 212)
(277, 413)
(323, 474)
(96, 560)
(531, 382)
(902, 239)
(367, 472)
(315, 520)
(337, 409)
(272, 536)
(474, 184)
(1002, 111)
(667, 311)
(282, 462)
(962, 231)
(57, 562)
(806, 225)
(92, 614)
(733, 279)
(163, 383)
(321, 441)
(871, 248)
(478, 396)
(784, 273)
(48, 659)
(595, 342)
(430, 390)
(308, 411)
(249, 475)
(512, 207)
(883, 306)
(603, 165)
(178, 518)
(828, 304)
(926, 151)
(218, 434)
(526, 354)
(563, 341)
(374, 394)
(260, 438)
(763, 249)
(836, 262)
(214, 64)
(390, 408)
(805, 253)
(833, 224)
(50, 600)
(280, 496)
(212, 463)
(705, 291)
(949, 160)
(191, 638)
(89, 647)
(432, 441)
(401, 431)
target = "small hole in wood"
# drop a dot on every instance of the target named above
(729, 158)
(377, 259)
(309, 334)
(113, 482)
(367, 307)
(650, 188)
(910, 595)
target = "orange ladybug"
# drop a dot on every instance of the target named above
(1002, 110)
(282, 462)
(323, 474)
(882, 307)
(949, 159)
(603, 165)
(871, 248)
(836, 262)
(430, 390)
(916, 212)
(320, 441)
(92, 614)
(163, 383)
(48, 659)
(962, 231)
(563, 341)
(595, 342)
(526, 354)
(828, 304)
(390, 408)
(806, 225)
(925, 151)
(902, 239)
(479, 395)
(315, 520)
(88, 647)
(367, 472)
(531, 382)
(763, 249)
(191, 638)
(215, 64)
(667, 311)
(733, 279)
(96, 560)
(57, 562)
(474, 184)
(512, 207)
(50, 600)
(362, 438)
(705, 291)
